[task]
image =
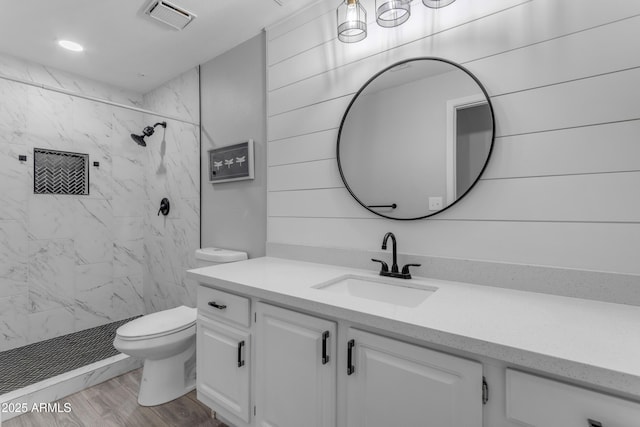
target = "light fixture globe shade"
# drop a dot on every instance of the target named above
(391, 13)
(352, 21)
(436, 4)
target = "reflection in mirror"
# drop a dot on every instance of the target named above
(417, 135)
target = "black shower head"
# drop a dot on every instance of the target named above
(139, 139)
(147, 131)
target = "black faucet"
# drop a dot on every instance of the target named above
(394, 247)
(384, 270)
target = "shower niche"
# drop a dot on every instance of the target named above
(60, 172)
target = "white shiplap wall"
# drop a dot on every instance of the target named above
(562, 187)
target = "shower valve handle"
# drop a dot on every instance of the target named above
(165, 206)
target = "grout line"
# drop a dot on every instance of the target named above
(551, 175)
(295, 15)
(577, 79)
(303, 189)
(301, 134)
(302, 162)
(557, 37)
(611, 122)
(491, 96)
(560, 175)
(311, 105)
(567, 128)
(547, 221)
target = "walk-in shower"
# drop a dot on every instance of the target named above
(82, 250)
(147, 131)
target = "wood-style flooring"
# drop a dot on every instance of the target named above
(114, 403)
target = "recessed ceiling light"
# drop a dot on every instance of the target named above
(69, 45)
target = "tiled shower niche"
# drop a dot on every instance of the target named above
(60, 172)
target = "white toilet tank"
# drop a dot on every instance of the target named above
(213, 256)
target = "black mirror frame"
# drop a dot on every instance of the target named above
(344, 117)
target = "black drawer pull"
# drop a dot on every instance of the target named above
(350, 368)
(216, 305)
(325, 356)
(240, 360)
(594, 423)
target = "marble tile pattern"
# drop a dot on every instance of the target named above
(172, 172)
(68, 263)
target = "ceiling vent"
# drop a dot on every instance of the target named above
(170, 14)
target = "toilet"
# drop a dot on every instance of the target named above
(166, 340)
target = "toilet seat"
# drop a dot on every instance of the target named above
(158, 324)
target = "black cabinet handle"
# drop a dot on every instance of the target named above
(240, 360)
(594, 423)
(216, 305)
(350, 368)
(325, 356)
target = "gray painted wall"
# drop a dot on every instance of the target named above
(234, 110)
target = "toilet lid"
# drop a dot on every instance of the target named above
(161, 323)
(218, 255)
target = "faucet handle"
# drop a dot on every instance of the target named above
(405, 269)
(384, 268)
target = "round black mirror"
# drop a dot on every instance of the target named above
(415, 138)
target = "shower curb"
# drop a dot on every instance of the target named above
(52, 389)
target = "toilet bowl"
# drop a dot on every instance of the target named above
(166, 340)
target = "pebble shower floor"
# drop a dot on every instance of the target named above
(39, 361)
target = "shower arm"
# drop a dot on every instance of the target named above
(148, 131)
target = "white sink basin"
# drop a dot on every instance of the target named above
(392, 291)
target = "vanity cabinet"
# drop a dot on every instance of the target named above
(223, 346)
(388, 382)
(394, 383)
(295, 369)
(313, 357)
(540, 402)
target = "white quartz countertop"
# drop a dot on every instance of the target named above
(590, 341)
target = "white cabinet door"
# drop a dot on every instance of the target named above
(295, 369)
(223, 367)
(392, 383)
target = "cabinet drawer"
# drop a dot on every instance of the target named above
(540, 402)
(223, 305)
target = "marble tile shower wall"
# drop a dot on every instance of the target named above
(172, 171)
(68, 263)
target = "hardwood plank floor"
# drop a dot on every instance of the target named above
(114, 403)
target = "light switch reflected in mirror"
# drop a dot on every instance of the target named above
(415, 138)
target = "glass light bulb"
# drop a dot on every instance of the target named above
(352, 12)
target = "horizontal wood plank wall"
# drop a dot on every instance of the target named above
(561, 187)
